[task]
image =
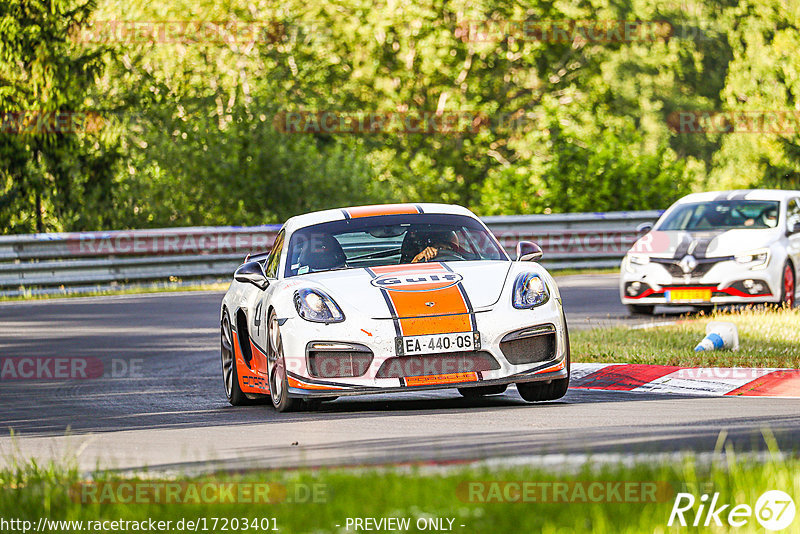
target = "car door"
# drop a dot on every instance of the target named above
(258, 318)
(793, 239)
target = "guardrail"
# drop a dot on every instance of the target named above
(77, 262)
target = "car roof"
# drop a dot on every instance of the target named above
(740, 194)
(340, 214)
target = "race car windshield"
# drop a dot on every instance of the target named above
(389, 240)
(723, 215)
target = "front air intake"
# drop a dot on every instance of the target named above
(529, 346)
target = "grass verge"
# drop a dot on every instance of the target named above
(768, 338)
(505, 501)
(126, 290)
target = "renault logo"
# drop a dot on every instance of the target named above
(687, 264)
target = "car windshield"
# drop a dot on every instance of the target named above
(389, 240)
(723, 215)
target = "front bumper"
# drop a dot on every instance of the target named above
(378, 335)
(725, 282)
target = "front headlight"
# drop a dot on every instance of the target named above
(315, 305)
(529, 291)
(634, 260)
(753, 259)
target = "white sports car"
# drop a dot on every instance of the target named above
(391, 298)
(730, 247)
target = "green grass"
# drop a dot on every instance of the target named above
(124, 290)
(29, 492)
(768, 338)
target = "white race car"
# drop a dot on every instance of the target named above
(391, 298)
(730, 247)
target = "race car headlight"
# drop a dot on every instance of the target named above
(634, 260)
(529, 291)
(316, 306)
(753, 259)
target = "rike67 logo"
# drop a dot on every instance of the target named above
(774, 510)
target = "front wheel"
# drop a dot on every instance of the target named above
(789, 286)
(641, 309)
(276, 369)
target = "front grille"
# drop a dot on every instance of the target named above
(338, 364)
(702, 268)
(539, 348)
(437, 364)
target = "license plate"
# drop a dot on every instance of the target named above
(438, 343)
(680, 295)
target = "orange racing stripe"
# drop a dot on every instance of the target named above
(381, 209)
(449, 314)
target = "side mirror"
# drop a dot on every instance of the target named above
(527, 251)
(792, 227)
(252, 272)
(644, 228)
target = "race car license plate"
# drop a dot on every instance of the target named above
(438, 343)
(682, 295)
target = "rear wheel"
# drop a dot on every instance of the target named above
(641, 309)
(230, 376)
(789, 286)
(276, 369)
(543, 391)
(481, 391)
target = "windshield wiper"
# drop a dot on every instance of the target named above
(379, 254)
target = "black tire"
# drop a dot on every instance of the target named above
(705, 310)
(542, 391)
(276, 369)
(481, 391)
(230, 375)
(641, 309)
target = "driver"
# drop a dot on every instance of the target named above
(434, 242)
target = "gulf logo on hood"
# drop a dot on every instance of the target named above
(424, 299)
(417, 281)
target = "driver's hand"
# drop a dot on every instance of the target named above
(426, 255)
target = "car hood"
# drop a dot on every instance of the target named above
(706, 244)
(373, 291)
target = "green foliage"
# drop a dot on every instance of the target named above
(570, 125)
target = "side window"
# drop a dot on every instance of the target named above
(274, 258)
(793, 213)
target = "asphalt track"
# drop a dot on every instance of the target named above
(170, 412)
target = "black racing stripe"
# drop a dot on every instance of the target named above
(419, 208)
(740, 195)
(346, 215)
(389, 304)
(702, 247)
(720, 197)
(683, 247)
